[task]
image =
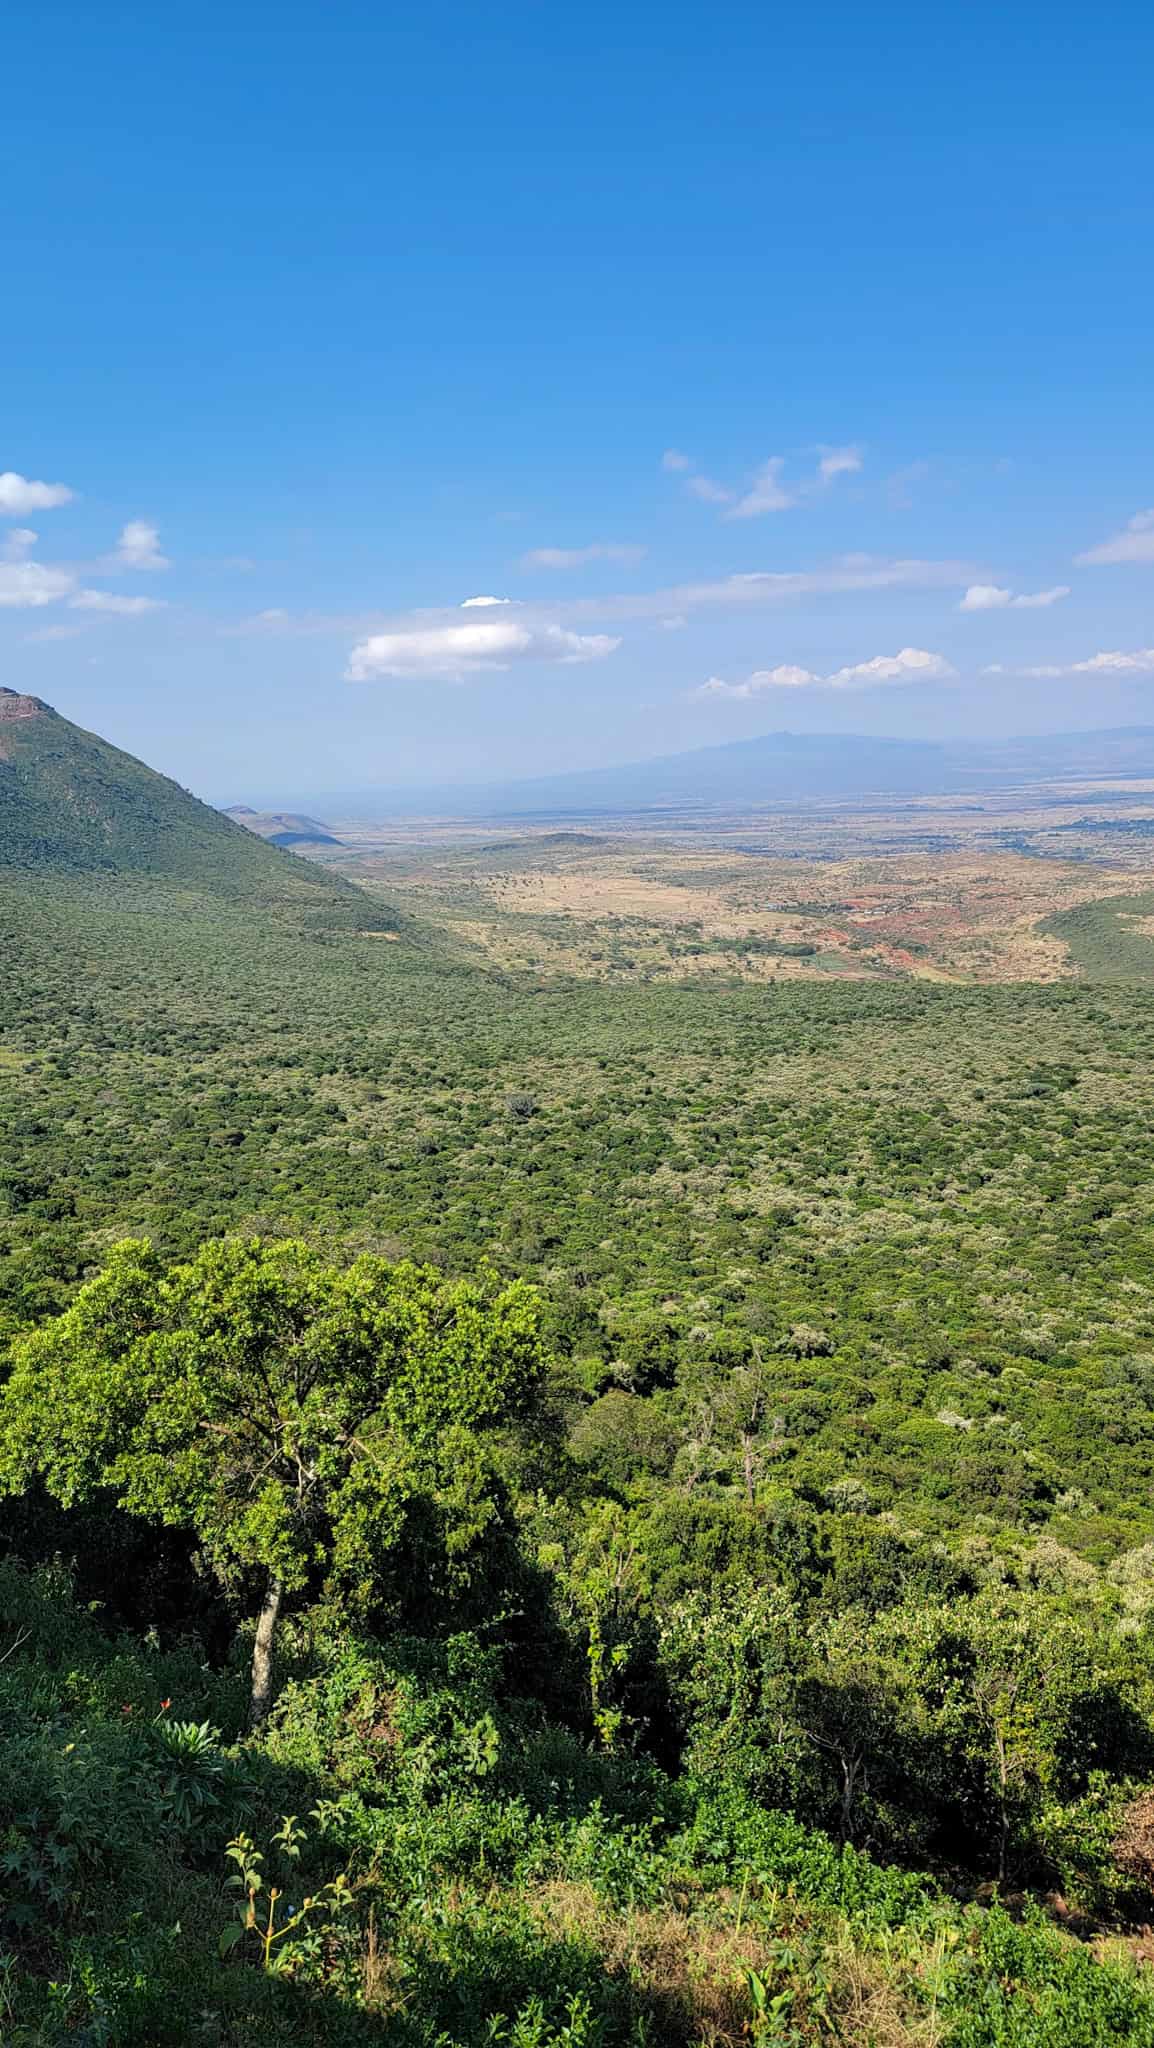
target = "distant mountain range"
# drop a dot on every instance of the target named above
(782, 768)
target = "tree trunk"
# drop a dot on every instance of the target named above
(1003, 1803)
(850, 1767)
(260, 1697)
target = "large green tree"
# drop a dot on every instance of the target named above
(291, 1412)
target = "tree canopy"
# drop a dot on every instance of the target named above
(287, 1410)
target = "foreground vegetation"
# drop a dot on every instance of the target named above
(769, 1654)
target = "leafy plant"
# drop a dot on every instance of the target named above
(193, 1769)
(284, 1937)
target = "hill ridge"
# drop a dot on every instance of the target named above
(72, 803)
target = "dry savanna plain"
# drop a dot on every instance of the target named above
(954, 890)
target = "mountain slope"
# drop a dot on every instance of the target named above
(72, 804)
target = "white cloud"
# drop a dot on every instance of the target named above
(838, 462)
(786, 677)
(449, 653)
(31, 584)
(675, 623)
(576, 558)
(1138, 661)
(991, 597)
(909, 665)
(20, 494)
(106, 601)
(777, 586)
(1039, 600)
(482, 603)
(138, 548)
(1136, 544)
(708, 491)
(55, 633)
(769, 492)
(767, 495)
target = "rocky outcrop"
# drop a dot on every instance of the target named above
(13, 705)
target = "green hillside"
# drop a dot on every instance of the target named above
(716, 1580)
(72, 804)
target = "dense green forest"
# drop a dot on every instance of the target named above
(718, 1603)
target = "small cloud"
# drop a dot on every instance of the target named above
(106, 601)
(576, 558)
(838, 462)
(1115, 661)
(767, 495)
(20, 494)
(675, 462)
(1140, 662)
(18, 544)
(786, 677)
(450, 653)
(138, 548)
(709, 492)
(991, 597)
(769, 492)
(1038, 600)
(54, 633)
(909, 665)
(1135, 544)
(675, 623)
(482, 603)
(27, 585)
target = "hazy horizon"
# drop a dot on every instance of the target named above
(378, 799)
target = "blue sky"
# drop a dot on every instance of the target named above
(775, 367)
